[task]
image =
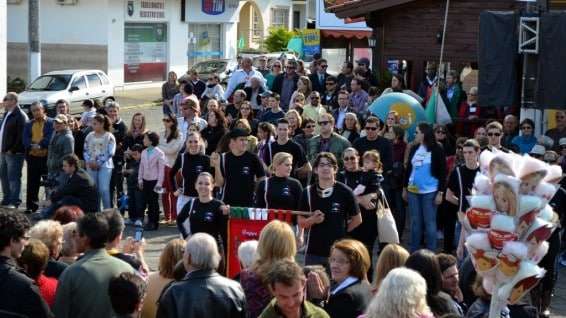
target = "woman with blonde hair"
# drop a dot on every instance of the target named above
(51, 234)
(295, 122)
(69, 250)
(157, 281)
(276, 242)
(252, 140)
(391, 121)
(391, 257)
(280, 191)
(403, 295)
(298, 102)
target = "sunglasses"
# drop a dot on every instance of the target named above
(323, 123)
(349, 158)
(371, 128)
(440, 132)
(324, 66)
(310, 126)
(166, 120)
(494, 134)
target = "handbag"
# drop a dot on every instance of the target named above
(386, 227)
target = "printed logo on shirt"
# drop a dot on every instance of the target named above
(199, 169)
(335, 208)
(245, 171)
(286, 191)
(208, 216)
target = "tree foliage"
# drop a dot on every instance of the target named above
(277, 39)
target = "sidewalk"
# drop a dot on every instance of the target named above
(138, 96)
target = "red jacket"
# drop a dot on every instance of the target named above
(47, 288)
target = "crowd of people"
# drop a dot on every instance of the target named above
(278, 136)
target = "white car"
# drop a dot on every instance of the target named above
(73, 86)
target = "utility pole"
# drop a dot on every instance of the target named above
(34, 53)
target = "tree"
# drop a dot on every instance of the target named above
(277, 39)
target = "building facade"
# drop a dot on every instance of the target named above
(139, 40)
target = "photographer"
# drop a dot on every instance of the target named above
(78, 189)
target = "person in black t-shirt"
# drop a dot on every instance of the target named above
(301, 167)
(373, 141)
(280, 191)
(335, 210)
(191, 163)
(237, 171)
(460, 184)
(204, 213)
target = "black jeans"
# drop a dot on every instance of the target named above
(116, 183)
(136, 204)
(450, 217)
(367, 233)
(36, 166)
(151, 201)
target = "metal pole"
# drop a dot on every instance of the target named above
(436, 90)
(34, 53)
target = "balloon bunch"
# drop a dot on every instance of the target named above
(509, 222)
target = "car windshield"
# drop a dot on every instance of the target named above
(210, 67)
(57, 82)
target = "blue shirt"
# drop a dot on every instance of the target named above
(525, 143)
(421, 180)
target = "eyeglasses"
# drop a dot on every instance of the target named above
(349, 158)
(494, 134)
(166, 120)
(310, 126)
(526, 127)
(323, 123)
(371, 128)
(324, 66)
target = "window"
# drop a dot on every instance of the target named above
(93, 80)
(280, 17)
(205, 43)
(257, 31)
(296, 19)
(105, 80)
(80, 82)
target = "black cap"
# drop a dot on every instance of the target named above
(237, 132)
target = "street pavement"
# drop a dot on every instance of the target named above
(140, 100)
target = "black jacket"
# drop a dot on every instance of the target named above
(203, 293)
(80, 186)
(249, 92)
(119, 130)
(19, 293)
(12, 136)
(278, 83)
(316, 85)
(349, 302)
(438, 165)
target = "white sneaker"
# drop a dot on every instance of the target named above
(138, 223)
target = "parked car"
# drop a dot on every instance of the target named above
(73, 86)
(222, 67)
(281, 55)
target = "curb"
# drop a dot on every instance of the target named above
(139, 106)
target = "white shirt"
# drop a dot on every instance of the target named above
(241, 76)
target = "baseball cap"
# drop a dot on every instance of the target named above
(61, 119)
(562, 141)
(550, 156)
(538, 150)
(237, 132)
(363, 60)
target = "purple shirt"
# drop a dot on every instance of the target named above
(358, 101)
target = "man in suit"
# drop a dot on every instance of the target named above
(11, 150)
(318, 79)
(83, 286)
(286, 83)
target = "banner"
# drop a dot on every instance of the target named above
(145, 52)
(311, 41)
(239, 231)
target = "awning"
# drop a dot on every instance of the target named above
(346, 34)
(357, 8)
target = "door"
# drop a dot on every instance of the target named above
(77, 97)
(95, 86)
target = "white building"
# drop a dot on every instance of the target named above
(140, 40)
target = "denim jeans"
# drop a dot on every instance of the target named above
(102, 179)
(11, 177)
(422, 210)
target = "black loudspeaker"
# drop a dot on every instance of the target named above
(183, 7)
(498, 82)
(551, 79)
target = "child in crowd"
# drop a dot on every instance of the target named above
(150, 178)
(135, 196)
(88, 114)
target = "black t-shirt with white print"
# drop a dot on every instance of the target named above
(239, 174)
(338, 208)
